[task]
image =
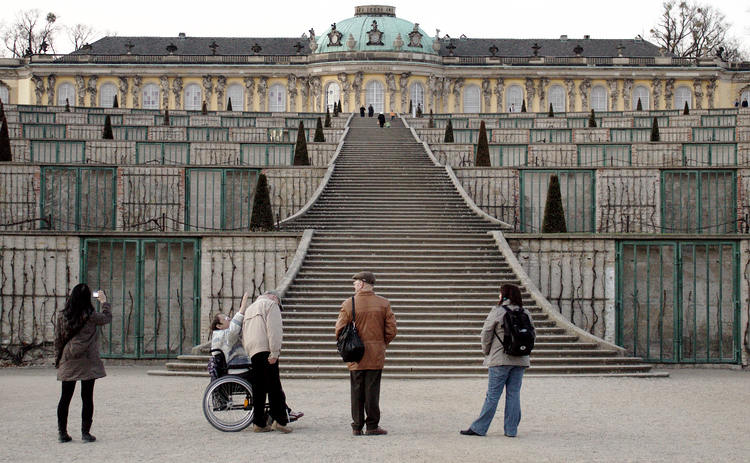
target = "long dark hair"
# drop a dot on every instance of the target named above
(512, 293)
(78, 305)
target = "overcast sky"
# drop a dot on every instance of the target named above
(291, 18)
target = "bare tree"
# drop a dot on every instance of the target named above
(80, 34)
(673, 29)
(28, 35)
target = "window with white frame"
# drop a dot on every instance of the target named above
(277, 98)
(374, 95)
(333, 94)
(556, 99)
(150, 96)
(4, 94)
(416, 93)
(472, 101)
(681, 96)
(599, 98)
(193, 97)
(641, 92)
(66, 93)
(514, 98)
(236, 93)
(107, 95)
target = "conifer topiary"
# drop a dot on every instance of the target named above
(523, 106)
(229, 104)
(554, 214)
(655, 130)
(319, 137)
(419, 110)
(592, 119)
(115, 103)
(448, 132)
(166, 117)
(204, 108)
(67, 105)
(5, 152)
(2, 110)
(431, 121)
(639, 106)
(483, 148)
(411, 106)
(300, 149)
(340, 110)
(551, 112)
(327, 123)
(686, 111)
(262, 216)
(107, 133)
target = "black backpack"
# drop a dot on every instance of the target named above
(519, 333)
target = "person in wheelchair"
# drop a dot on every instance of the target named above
(225, 336)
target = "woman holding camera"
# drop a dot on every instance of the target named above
(77, 355)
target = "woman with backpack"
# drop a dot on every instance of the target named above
(508, 328)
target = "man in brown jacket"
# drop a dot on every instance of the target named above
(376, 326)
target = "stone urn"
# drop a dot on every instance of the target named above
(351, 43)
(399, 42)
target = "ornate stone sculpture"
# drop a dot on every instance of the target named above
(221, 85)
(262, 89)
(698, 93)
(711, 91)
(38, 89)
(487, 92)
(357, 87)
(432, 88)
(177, 92)
(571, 86)
(543, 84)
(584, 87)
(668, 93)
(614, 93)
(415, 37)
(499, 89)
(656, 90)
(208, 85)
(530, 93)
(315, 88)
(51, 80)
(164, 84)
(80, 89)
(313, 42)
(291, 87)
(137, 85)
(123, 85)
(345, 87)
(93, 91)
(390, 82)
(457, 86)
(249, 91)
(304, 91)
(403, 82)
(334, 37)
(447, 81)
(374, 35)
(398, 43)
(351, 43)
(627, 87)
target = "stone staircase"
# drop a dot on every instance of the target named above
(389, 209)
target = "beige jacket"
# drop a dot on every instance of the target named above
(262, 329)
(376, 326)
(491, 345)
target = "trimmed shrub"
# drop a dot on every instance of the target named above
(262, 217)
(229, 104)
(448, 132)
(328, 120)
(655, 130)
(592, 119)
(431, 122)
(204, 109)
(115, 103)
(319, 131)
(339, 110)
(554, 214)
(5, 153)
(67, 105)
(411, 106)
(639, 106)
(686, 111)
(419, 110)
(2, 110)
(107, 131)
(166, 117)
(483, 148)
(551, 112)
(300, 149)
(523, 106)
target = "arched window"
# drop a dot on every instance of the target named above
(107, 94)
(556, 99)
(150, 96)
(193, 97)
(416, 93)
(4, 94)
(599, 98)
(514, 98)
(374, 95)
(472, 101)
(642, 93)
(681, 96)
(333, 94)
(237, 93)
(277, 98)
(66, 93)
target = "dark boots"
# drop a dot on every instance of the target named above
(85, 435)
(62, 432)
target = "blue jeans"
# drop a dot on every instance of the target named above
(509, 377)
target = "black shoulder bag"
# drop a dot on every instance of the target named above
(350, 346)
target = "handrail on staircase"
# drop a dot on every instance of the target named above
(296, 265)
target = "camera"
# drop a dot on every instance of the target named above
(95, 294)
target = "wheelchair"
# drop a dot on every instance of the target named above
(228, 400)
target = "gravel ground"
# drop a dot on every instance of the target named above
(696, 415)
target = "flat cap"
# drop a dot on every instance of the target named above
(367, 277)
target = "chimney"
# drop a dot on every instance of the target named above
(182, 35)
(563, 38)
(586, 37)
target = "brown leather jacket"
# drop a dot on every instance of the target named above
(376, 326)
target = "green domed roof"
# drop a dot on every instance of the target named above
(374, 28)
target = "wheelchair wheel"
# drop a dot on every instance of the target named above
(228, 404)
